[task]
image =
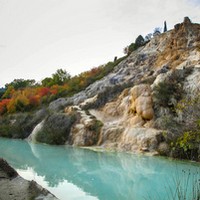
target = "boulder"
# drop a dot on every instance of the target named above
(12, 186)
(86, 130)
(141, 101)
(55, 128)
(137, 121)
(139, 90)
(138, 139)
(144, 106)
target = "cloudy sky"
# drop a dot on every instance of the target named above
(37, 37)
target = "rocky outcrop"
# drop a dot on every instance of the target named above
(140, 139)
(141, 102)
(179, 44)
(85, 132)
(125, 121)
(121, 111)
(12, 186)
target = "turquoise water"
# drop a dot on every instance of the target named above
(81, 174)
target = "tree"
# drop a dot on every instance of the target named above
(9, 92)
(47, 82)
(60, 77)
(2, 91)
(21, 83)
(139, 41)
(129, 49)
(148, 37)
(3, 106)
(156, 31)
(165, 27)
(134, 46)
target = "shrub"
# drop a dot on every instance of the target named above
(15, 127)
(171, 125)
(189, 108)
(165, 91)
(171, 89)
(184, 140)
(20, 125)
(56, 129)
(187, 146)
(24, 97)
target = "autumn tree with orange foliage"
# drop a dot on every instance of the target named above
(3, 106)
(22, 95)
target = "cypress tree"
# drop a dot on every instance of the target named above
(165, 27)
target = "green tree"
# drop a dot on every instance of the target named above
(21, 83)
(157, 31)
(165, 26)
(129, 49)
(139, 41)
(47, 82)
(60, 77)
(148, 37)
(2, 91)
(8, 93)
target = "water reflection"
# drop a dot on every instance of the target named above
(103, 175)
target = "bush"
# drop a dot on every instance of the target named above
(15, 127)
(171, 125)
(20, 125)
(187, 146)
(170, 91)
(56, 129)
(184, 140)
(165, 91)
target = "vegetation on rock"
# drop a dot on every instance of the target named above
(183, 129)
(21, 95)
(20, 125)
(56, 129)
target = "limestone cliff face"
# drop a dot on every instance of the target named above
(126, 122)
(124, 101)
(177, 48)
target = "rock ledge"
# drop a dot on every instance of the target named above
(13, 186)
